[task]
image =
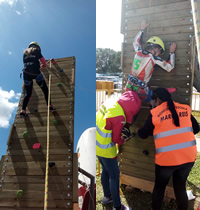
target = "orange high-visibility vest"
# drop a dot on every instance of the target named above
(174, 145)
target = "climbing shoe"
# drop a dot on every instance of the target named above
(106, 200)
(52, 108)
(23, 115)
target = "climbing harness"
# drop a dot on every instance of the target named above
(140, 87)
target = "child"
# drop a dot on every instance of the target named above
(145, 61)
(31, 71)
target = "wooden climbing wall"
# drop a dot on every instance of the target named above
(23, 168)
(171, 20)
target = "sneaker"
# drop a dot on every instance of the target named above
(23, 115)
(52, 108)
(106, 200)
(123, 207)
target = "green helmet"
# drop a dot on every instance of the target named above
(33, 43)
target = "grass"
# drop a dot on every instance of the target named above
(140, 200)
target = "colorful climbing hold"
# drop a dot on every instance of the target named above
(55, 122)
(51, 164)
(61, 70)
(36, 146)
(20, 193)
(53, 61)
(25, 134)
(35, 109)
(59, 84)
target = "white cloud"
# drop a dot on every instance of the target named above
(7, 107)
(10, 53)
(18, 12)
(10, 2)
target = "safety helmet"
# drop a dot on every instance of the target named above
(156, 41)
(33, 43)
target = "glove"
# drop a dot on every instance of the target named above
(126, 134)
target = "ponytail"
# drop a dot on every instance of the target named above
(164, 95)
(172, 109)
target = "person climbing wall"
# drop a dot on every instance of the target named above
(31, 71)
(144, 63)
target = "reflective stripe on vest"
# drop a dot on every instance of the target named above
(102, 134)
(105, 146)
(176, 146)
(173, 132)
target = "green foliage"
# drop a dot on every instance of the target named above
(108, 61)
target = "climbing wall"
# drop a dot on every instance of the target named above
(23, 167)
(171, 20)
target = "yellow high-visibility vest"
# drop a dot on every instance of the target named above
(104, 145)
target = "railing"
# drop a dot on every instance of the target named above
(91, 205)
(102, 95)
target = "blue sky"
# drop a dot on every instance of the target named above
(63, 28)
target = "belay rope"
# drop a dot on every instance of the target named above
(47, 152)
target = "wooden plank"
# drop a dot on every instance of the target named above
(181, 23)
(36, 187)
(61, 171)
(22, 144)
(143, 184)
(58, 195)
(137, 172)
(184, 13)
(34, 203)
(164, 37)
(145, 3)
(159, 9)
(39, 152)
(37, 179)
(37, 157)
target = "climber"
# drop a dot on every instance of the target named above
(31, 71)
(173, 127)
(113, 119)
(145, 61)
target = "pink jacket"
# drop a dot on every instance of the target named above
(130, 103)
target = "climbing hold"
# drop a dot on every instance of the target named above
(20, 193)
(36, 146)
(59, 84)
(145, 152)
(35, 109)
(51, 164)
(55, 122)
(61, 70)
(53, 61)
(25, 134)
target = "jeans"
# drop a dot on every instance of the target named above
(110, 179)
(179, 174)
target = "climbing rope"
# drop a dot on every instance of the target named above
(196, 26)
(47, 155)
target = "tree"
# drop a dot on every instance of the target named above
(108, 61)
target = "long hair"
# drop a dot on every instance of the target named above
(164, 95)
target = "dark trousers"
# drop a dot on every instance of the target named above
(29, 87)
(162, 176)
(110, 179)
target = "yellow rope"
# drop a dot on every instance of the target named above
(47, 155)
(196, 26)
